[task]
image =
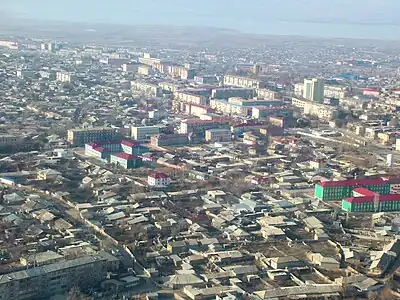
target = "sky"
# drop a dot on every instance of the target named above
(331, 18)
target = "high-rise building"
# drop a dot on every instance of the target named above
(314, 89)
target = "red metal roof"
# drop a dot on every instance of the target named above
(364, 192)
(100, 149)
(351, 182)
(125, 156)
(158, 175)
(382, 198)
(129, 143)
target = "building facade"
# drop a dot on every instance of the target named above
(322, 111)
(377, 203)
(125, 160)
(244, 82)
(218, 135)
(338, 190)
(264, 112)
(142, 133)
(314, 90)
(225, 93)
(65, 77)
(158, 180)
(103, 150)
(46, 281)
(199, 126)
(80, 136)
(148, 89)
(162, 140)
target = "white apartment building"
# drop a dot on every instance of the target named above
(158, 180)
(65, 77)
(321, 111)
(245, 82)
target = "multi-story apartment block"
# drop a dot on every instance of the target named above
(142, 133)
(248, 126)
(190, 97)
(162, 140)
(338, 190)
(245, 82)
(10, 140)
(264, 112)
(148, 60)
(181, 72)
(148, 89)
(58, 278)
(197, 109)
(335, 91)
(199, 126)
(78, 137)
(267, 94)
(103, 150)
(218, 135)
(225, 93)
(158, 180)
(321, 111)
(24, 74)
(65, 77)
(365, 200)
(125, 160)
(239, 106)
(170, 87)
(206, 79)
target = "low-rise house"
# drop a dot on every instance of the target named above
(327, 263)
(286, 262)
(272, 232)
(177, 247)
(179, 281)
(216, 292)
(14, 199)
(312, 224)
(48, 174)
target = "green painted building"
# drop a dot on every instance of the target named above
(338, 190)
(379, 203)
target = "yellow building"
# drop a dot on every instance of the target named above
(218, 135)
(267, 94)
(188, 97)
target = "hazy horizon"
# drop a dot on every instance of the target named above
(320, 18)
